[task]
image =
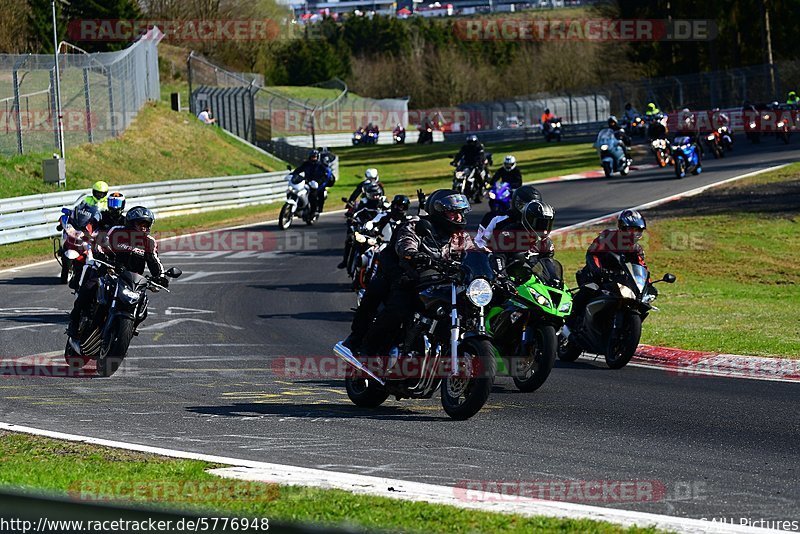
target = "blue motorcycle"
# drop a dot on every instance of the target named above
(612, 153)
(500, 197)
(686, 157)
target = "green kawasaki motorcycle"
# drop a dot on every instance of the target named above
(524, 326)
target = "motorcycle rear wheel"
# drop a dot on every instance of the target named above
(286, 217)
(363, 391)
(538, 361)
(621, 349)
(567, 350)
(464, 396)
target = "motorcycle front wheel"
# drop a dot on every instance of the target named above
(286, 217)
(114, 346)
(74, 360)
(531, 371)
(66, 270)
(680, 168)
(622, 347)
(607, 169)
(464, 395)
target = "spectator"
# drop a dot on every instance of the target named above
(205, 116)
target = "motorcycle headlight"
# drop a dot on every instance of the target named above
(710, 137)
(565, 307)
(557, 125)
(479, 292)
(492, 195)
(459, 174)
(780, 124)
(371, 241)
(360, 238)
(753, 125)
(648, 298)
(369, 225)
(130, 295)
(603, 147)
(541, 300)
(626, 292)
(766, 117)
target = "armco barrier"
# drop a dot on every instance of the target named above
(36, 216)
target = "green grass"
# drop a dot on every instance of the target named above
(737, 290)
(307, 92)
(66, 467)
(160, 145)
(404, 168)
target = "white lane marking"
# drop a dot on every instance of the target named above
(177, 310)
(180, 345)
(665, 200)
(174, 322)
(25, 326)
(404, 490)
(205, 274)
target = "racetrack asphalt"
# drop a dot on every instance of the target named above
(204, 376)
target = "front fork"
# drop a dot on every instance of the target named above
(455, 331)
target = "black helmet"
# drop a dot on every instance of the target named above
(631, 220)
(140, 218)
(537, 218)
(400, 204)
(373, 191)
(472, 139)
(628, 106)
(85, 214)
(448, 210)
(313, 155)
(547, 110)
(612, 121)
(521, 198)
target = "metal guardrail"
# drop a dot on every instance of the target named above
(36, 216)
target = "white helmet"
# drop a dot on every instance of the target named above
(509, 162)
(371, 175)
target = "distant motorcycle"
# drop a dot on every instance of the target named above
(686, 157)
(612, 153)
(500, 197)
(360, 137)
(713, 141)
(552, 129)
(106, 331)
(425, 135)
(612, 321)
(298, 202)
(661, 150)
(399, 136)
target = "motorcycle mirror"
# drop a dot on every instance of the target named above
(289, 168)
(669, 278)
(173, 272)
(71, 254)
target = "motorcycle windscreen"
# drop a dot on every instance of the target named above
(550, 272)
(476, 264)
(606, 137)
(639, 275)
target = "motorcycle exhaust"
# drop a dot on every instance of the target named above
(344, 353)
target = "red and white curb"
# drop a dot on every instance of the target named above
(408, 491)
(697, 363)
(588, 175)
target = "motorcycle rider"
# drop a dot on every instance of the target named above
(113, 215)
(793, 100)
(652, 111)
(370, 178)
(619, 133)
(630, 113)
(388, 220)
(82, 226)
(508, 173)
(421, 244)
(98, 196)
(490, 222)
(130, 246)
(315, 171)
(546, 117)
(372, 193)
(624, 240)
(472, 154)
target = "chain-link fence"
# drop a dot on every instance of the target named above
(702, 91)
(101, 93)
(296, 114)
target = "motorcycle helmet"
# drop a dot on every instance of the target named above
(537, 218)
(84, 215)
(628, 106)
(651, 107)
(612, 121)
(521, 198)
(371, 175)
(547, 111)
(400, 205)
(116, 203)
(509, 162)
(99, 190)
(448, 211)
(313, 155)
(140, 218)
(472, 139)
(632, 220)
